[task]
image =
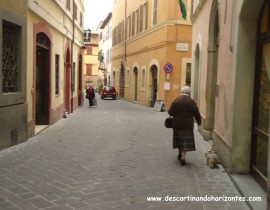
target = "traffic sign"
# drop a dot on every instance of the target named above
(168, 68)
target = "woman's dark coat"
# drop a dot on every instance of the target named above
(184, 110)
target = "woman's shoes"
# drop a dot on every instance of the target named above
(183, 162)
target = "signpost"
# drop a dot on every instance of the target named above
(168, 68)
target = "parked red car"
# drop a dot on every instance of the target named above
(108, 92)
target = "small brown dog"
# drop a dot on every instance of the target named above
(212, 159)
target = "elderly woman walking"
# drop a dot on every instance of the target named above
(184, 110)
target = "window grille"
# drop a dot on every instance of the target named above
(10, 56)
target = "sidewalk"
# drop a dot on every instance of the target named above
(113, 157)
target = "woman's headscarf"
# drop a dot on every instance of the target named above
(185, 90)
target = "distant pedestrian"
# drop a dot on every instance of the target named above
(90, 95)
(184, 110)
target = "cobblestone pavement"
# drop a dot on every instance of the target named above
(110, 157)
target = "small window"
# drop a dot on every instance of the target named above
(73, 77)
(89, 51)
(127, 78)
(143, 78)
(155, 12)
(188, 74)
(75, 15)
(56, 74)
(89, 69)
(68, 5)
(81, 19)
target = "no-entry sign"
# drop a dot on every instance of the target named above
(168, 68)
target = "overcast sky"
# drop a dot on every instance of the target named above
(96, 11)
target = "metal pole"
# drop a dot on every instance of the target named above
(72, 66)
(125, 56)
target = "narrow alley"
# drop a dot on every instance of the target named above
(115, 156)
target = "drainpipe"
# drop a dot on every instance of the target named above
(125, 55)
(72, 67)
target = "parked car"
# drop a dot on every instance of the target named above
(108, 92)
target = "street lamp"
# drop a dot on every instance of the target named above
(87, 35)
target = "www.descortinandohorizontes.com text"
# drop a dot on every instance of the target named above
(203, 198)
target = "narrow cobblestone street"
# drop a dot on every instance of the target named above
(110, 157)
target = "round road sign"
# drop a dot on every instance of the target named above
(168, 68)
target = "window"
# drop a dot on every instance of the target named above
(75, 11)
(137, 21)
(73, 77)
(89, 51)
(141, 17)
(143, 78)
(89, 69)
(56, 74)
(133, 24)
(68, 5)
(145, 15)
(122, 31)
(188, 74)
(119, 33)
(127, 78)
(109, 88)
(113, 39)
(128, 26)
(155, 12)
(81, 19)
(11, 34)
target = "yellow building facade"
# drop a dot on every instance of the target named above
(91, 63)
(151, 54)
(55, 56)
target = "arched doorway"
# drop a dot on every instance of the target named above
(153, 81)
(80, 98)
(135, 83)
(212, 71)
(67, 82)
(42, 79)
(260, 122)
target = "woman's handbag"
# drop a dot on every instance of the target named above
(168, 122)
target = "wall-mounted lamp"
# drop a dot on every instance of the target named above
(87, 35)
